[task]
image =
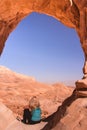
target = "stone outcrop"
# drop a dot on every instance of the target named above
(75, 116)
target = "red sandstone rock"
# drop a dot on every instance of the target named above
(75, 116)
(72, 13)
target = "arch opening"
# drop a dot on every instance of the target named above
(47, 46)
(42, 46)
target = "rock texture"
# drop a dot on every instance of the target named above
(16, 90)
(71, 115)
(8, 121)
(74, 117)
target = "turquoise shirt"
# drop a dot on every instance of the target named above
(36, 114)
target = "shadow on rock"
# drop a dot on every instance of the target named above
(54, 119)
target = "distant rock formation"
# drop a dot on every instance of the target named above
(16, 90)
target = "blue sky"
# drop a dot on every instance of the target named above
(44, 48)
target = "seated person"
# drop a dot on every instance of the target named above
(34, 106)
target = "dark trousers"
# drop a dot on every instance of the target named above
(26, 116)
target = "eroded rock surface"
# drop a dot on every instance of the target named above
(71, 115)
(75, 116)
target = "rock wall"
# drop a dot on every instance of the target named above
(72, 13)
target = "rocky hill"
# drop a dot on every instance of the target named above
(62, 109)
(16, 90)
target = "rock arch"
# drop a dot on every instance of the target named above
(71, 13)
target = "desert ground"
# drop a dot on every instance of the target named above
(16, 90)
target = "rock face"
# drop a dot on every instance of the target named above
(75, 116)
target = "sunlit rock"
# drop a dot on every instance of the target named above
(72, 13)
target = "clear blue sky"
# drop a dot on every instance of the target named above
(44, 48)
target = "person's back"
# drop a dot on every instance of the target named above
(36, 114)
(35, 110)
